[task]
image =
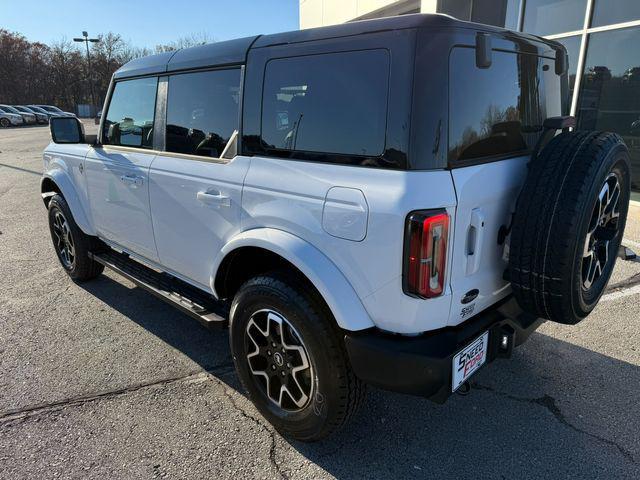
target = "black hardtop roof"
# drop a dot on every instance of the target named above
(219, 53)
(235, 51)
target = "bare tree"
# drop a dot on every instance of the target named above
(192, 40)
(32, 72)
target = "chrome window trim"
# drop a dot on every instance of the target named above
(123, 148)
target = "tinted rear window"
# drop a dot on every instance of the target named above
(331, 103)
(499, 111)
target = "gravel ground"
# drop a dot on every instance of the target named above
(102, 380)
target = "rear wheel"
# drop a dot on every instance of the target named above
(291, 359)
(71, 244)
(568, 225)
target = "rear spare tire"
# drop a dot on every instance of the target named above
(568, 225)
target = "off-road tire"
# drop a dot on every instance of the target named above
(552, 220)
(337, 393)
(83, 267)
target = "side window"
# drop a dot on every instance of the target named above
(499, 111)
(130, 115)
(331, 103)
(202, 111)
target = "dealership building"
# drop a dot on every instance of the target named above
(602, 38)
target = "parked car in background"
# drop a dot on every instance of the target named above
(56, 111)
(40, 117)
(28, 117)
(8, 119)
(98, 117)
(40, 110)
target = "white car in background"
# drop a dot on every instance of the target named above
(8, 119)
(40, 117)
(27, 117)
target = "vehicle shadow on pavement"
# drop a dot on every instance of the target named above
(555, 410)
(208, 348)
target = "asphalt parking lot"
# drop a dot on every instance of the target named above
(102, 380)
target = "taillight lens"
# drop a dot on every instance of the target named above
(425, 253)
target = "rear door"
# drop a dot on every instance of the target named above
(195, 193)
(495, 118)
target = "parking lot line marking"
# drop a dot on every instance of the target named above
(625, 292)
(630, 243)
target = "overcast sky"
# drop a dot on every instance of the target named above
(147, 23)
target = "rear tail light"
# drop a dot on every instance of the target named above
(425, 253)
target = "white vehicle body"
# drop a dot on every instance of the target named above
(330, 226)
(381, 202)
(340, 225)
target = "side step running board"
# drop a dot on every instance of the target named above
(191, 300)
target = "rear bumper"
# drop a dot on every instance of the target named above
(422, 365)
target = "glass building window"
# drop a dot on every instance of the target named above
(607, 12)
(512, 15)
(610, 90)
(460, 9)
(331, 103)
(501, 13)
(572, 44)
(548, 17)
(202, 111)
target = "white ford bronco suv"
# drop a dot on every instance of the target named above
(394, 202)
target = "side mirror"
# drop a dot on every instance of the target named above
(66, 130)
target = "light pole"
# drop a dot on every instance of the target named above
(85, 38)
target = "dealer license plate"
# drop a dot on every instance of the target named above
(469, 360)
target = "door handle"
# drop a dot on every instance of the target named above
(474, 240)
(133, 180)
(213, 197)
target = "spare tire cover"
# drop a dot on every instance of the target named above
(568, 225)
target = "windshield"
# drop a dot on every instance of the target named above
(38, 109)
(52, 109)
(23, 109)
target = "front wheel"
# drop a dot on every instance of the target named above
(71, 244)
(5, 122)
(290, 358)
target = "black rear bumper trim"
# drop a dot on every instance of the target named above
(421, 365)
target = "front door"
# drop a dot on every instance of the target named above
(195, 194)
(118, 170)
(118, 186)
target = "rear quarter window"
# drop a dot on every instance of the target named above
(332, 103)
(498, 112)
